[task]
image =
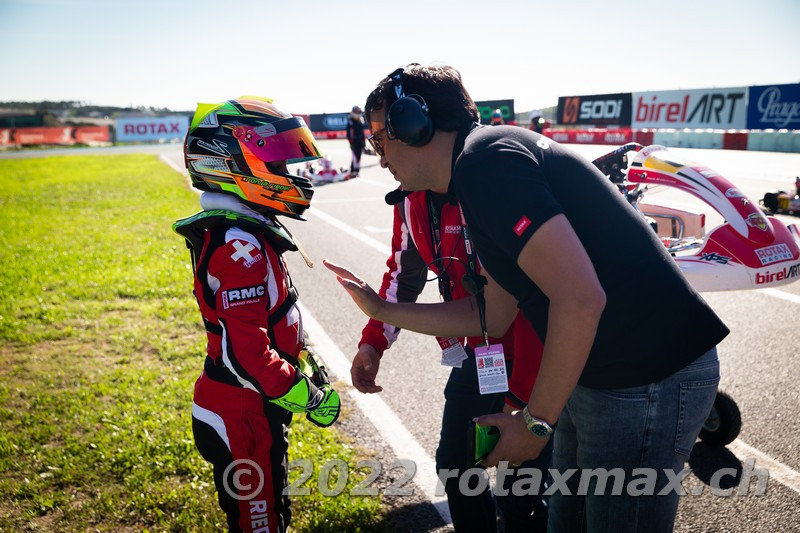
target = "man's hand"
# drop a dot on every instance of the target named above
(517, 444)
(364, 369)
(362, 294)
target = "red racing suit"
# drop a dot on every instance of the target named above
(412, 255)
(254, 336)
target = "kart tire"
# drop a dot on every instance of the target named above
(724, 422)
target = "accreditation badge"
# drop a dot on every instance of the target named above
(491, 363)
(453, 352)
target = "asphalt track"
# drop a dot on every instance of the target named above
(350, 224)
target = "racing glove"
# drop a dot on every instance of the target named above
(320, 403)
(311, 365)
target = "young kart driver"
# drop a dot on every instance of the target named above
(237, 152)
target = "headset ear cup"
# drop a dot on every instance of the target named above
(409, 122)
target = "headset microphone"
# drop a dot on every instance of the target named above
(396, 196)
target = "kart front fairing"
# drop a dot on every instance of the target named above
(749, 251)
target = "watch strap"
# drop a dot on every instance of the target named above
(537, 426)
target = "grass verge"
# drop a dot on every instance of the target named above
(101, 342)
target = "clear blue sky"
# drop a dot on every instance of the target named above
(316, 56)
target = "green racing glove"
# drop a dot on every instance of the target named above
(311, 394)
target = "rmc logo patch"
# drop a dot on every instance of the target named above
(243, 296)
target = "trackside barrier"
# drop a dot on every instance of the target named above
(734, 140)
(766, 140)
(62, 135)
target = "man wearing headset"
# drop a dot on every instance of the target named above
(629, 397)
(428, 235)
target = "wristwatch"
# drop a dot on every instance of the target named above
(537, 426)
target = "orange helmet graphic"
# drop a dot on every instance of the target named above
(241, 147)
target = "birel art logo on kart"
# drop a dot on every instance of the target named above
(773, 254)
(769, 276)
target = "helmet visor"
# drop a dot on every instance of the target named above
(287, 140)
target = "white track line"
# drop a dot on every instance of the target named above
(316, 202)
(777, 470)
(381, 184)
(391, 428)
(384, 249)
(783, 295)
(168, 162)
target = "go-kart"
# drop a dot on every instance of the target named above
(750, 250)
(325, 173)
(782, 202)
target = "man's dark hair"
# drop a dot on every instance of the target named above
(449, 104)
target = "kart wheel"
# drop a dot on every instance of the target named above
(723, 423)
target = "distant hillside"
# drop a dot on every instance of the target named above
(48, 113)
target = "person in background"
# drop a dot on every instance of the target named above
(497, 118)
(258, 370)
(537, 121)
(355, 136)
(624, 392)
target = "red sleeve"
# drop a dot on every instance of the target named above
(242, 300)
(403, 281)
(527, 359)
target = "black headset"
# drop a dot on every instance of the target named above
(408, 119)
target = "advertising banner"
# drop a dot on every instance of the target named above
(487, 107)
(595, 110)
(774, 107)
(90, 134)
(136, 129)
(696, 108)
(328, 122)
(54, 135)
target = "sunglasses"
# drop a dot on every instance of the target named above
(376, 144)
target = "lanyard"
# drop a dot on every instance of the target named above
(436, 236)
(473, 281)
(476, 281)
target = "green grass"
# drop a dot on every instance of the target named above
(101, 342)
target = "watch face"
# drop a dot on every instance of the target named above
(539, 430)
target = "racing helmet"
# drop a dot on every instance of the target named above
(240, 147)
(497, 117)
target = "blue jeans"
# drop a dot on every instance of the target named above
(463, 402)
(652, 426)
